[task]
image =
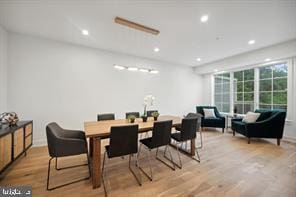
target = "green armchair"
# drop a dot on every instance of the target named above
(217, 122)
(270, 124)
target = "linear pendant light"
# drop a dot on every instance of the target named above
(134, 25)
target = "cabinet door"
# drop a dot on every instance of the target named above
(28, 141)
(5, 150)
(28, 129)
(18, 142)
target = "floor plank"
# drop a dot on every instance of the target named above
(229, 167)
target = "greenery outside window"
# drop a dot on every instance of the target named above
(243, 90)
(273, 82)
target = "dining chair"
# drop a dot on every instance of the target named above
(187, 133)
(160, 137)
(109, 116)
(136, 114)
(150, 112)
(123, 141)
(61, 143)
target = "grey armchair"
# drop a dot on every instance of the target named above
(62, 142)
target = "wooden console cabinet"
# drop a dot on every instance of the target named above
(14, 141)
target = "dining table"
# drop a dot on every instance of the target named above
(96, 131)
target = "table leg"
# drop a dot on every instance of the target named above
(91, 140)
(192, 148)
(96, 161)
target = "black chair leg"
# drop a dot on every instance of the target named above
(48, 176)
(178, 152)
(200, 146)
(171, 160)
(139, 180)
(149, 160)
(57, 168)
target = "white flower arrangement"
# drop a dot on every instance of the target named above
(148, 101)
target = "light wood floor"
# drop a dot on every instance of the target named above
(229, 167)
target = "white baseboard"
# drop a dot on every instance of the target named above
(289, 139)
(37, 143)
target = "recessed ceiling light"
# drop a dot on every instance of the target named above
(204, 18)
(251, 42)
(84, 32)
(144, 70)
(156, 49)
(267, 59)
(216, 70)
(154, 71)
(119, 67)
(132, 68)
(198, 59)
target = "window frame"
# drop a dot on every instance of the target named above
(256, 67)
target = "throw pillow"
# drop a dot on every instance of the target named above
(251, 117)
(209, 113)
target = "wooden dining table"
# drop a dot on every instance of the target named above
(98, 130)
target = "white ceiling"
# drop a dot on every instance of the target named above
(182, 36)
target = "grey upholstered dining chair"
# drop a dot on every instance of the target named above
(62, 142)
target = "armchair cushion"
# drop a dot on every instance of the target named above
(251, 117)
(217, 122)
(209, 113)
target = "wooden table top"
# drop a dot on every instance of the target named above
(102, 128)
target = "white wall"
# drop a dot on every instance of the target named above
(3, 70)
(275, 52)
(53, 81)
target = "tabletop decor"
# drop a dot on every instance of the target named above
(131, 118)
(144, 117)
(9, 118)
(155, 115)
(148, 101)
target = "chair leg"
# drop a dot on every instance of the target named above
(57, 168)
(197, 154)
(139, 180)
(249, 140)
(171, 156)
(223, 130)
(233, 132)
(278, 141)
(200, 133)
(48, 176)
(171, 160)
(178, 152)
(56, 164)
(149, 158)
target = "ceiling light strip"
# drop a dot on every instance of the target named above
(144, 70)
